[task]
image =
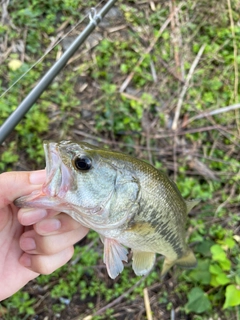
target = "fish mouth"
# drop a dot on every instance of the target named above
(59, 178)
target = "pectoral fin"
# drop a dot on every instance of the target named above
(142, 262)
(188, 261)
(114, 254)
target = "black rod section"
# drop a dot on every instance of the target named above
(31, 98)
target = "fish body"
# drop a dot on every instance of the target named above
(127, 201)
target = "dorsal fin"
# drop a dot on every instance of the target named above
(191, 203)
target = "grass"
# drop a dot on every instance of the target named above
(85, 102)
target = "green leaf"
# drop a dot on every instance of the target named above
(226, 264)
(229, 242)
(201, 273)
(213, 281)
(215, 269)
(218, 276)
(237, 279)
(218, 254)
(222, 279)
(232, 296)
(204, 247)
(198, 301)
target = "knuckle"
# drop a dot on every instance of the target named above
(45, 246)
(42, 266)
(48, 264)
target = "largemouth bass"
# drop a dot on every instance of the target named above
(127, 201)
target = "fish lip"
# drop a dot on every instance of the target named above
(49, 152)
(58, 174)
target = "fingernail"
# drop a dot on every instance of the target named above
(37, 177)
(48, 226)
(27, 244)
(25, 260)
(30, 216)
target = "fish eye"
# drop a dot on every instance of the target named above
(82, 163)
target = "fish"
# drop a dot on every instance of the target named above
(127, 201)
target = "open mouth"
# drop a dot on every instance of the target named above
(59, 177)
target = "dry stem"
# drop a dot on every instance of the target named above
(235, 52)
(147, 304)
(186, 86)
(212, 113)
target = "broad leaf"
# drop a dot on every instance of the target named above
(201, 273)
(222, 279)
(232, 296)
(198, 301)
(218, 254)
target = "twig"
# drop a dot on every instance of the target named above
(117, 28)
(116, 301)
(131, 97)
(186, 86)
(232, 192)
(175, 37)
(212, 113)
(63, 25)
(153, 70)
(4, 11)
(152, 6)
(147, 304)
(24, 45)
(148, 50)
(225, 133)
(237, 313)
(175, 165)
(40, 300)
(155, 136)
(170, 71)
(235, 52)
(86, 318)
(235, 62)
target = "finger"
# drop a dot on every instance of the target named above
(33, 243)
(46, 264)
(29, 216)
(59, 224)
(20, 183)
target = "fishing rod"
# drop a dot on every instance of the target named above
(27, 103)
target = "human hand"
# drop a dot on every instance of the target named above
(32, 241)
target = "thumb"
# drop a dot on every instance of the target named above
(19, 183)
